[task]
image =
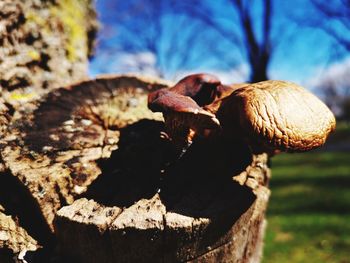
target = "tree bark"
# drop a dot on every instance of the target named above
(44, 44)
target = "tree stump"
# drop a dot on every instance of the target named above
(97, 143)
(50, 151)
(216, 222)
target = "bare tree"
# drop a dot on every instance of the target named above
(335, 19)
(258, 52)
(236, 32)
(333, 85)
(144, 26)
(248, 32)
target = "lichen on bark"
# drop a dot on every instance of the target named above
(44, 44)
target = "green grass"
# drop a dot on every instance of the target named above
(309, 210)
(342, 133)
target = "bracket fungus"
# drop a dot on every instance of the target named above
(270, 116)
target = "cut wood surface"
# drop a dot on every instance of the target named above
(14, 240)
(96, 142)
(196, 219)
(49, 151)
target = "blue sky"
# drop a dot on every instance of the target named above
(301, 53)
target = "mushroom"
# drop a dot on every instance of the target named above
(271, 116)
(275, 116)
(182, 107)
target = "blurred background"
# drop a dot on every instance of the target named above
(304, 41)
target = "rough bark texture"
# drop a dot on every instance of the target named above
(44, 44)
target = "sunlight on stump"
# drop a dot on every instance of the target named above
(126, 168)
(204, 223)
(50, 153)
(200, 196)
(14, 240)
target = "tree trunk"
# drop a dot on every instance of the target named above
(44, 44)
(13, 238)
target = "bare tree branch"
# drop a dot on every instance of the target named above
(337, 11)
(258, 52)
(142, 27)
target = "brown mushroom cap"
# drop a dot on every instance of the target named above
(181, 106)
(276, 115)
(202, 88)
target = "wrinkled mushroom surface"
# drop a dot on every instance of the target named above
(277, 115)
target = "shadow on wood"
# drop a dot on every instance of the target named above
(92, 161)
(165, 209)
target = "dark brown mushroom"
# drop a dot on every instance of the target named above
(182, 106)
(270, 116)
(202, 88)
